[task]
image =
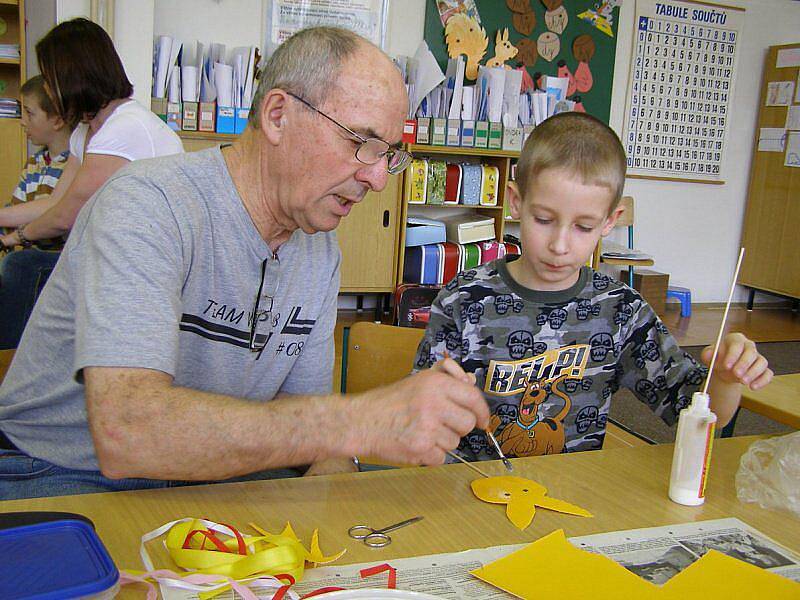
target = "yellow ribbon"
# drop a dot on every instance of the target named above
(203, 547)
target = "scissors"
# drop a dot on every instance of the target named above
(377, 538)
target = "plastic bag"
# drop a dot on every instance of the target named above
(769, 473)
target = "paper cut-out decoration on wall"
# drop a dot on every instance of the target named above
(503, 50)
(527, 81)
(579, 107)
(527, 52)
(556, 20)
(583, 49)
(464, 36)
(548, 45)
(563, 71)
(521, 497)
(523, 18)
(448, 8)
(551, 567)
(519, 6)
(524, 22)
(602, 16)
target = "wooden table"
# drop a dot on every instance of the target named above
(624, 488)
(780, 400)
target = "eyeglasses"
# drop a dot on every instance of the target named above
(262, 315)
(370, 150)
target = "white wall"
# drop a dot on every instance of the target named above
(692, 230)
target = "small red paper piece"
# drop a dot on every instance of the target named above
(392, 584)
(318, 592)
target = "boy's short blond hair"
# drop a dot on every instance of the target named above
(577, 143)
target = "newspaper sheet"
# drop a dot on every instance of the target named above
(658, 553)
(655, 553)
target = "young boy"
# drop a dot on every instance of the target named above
(23, 273)
(44, 128)
(550, 340)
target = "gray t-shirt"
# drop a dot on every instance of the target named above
(161, 271)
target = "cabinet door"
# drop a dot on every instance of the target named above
(12, 155)
(368, 239)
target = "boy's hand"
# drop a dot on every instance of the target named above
(738, 361)
(452, 368)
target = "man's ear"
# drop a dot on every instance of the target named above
(514, 199)
(273, 114)
(611, 220)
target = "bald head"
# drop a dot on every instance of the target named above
(310, 63)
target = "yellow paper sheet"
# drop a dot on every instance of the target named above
(551, 568)
(716, 576)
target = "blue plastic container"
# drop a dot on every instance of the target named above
(55, 560)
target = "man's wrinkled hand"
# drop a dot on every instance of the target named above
(418, 419)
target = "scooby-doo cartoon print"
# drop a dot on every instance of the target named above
(532, 433)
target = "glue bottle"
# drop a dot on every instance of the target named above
(687, 483)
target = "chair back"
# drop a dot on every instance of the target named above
(5, 362)
(378, 354)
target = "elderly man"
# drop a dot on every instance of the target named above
(196, 287)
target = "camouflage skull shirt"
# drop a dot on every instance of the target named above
(549, 362)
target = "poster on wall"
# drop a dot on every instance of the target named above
(680, 90)
(571, 44)
(365, 17)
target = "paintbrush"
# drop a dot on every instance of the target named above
(490, 435)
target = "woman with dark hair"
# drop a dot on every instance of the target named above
(86, 82)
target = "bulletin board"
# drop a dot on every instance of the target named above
(680, 91)
(594, 18)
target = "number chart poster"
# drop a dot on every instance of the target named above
(681, 89)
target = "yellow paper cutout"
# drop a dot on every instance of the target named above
(465, 36)
(718, 576)
(503, 50)
(521, 496)
(551, 567)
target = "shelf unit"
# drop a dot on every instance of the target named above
(13, 149)
(498, 158)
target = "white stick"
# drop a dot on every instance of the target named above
(466, 462)
(724, 318)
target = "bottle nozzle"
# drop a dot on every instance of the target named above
(700, 401)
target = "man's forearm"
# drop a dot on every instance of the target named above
(175, 433)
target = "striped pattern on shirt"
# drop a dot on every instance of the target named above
(37, 180)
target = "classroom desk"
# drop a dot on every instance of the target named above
(624, 488)
(780, 400)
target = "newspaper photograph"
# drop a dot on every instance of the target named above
(658, 553)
